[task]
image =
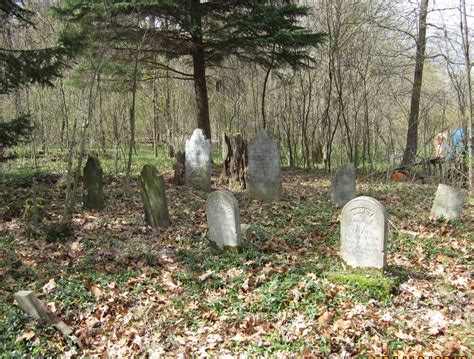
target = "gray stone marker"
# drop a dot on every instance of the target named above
(448, 202)
(198, 161)
(364, 233)
(36, 309)
(223, 219)
(154, 197)
(343, 184)
(264, 168)
(93, 197)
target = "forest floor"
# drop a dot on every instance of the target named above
(128, 290)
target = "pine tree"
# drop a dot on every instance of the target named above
(266, 32)
(23, 67)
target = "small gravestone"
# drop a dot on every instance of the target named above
(448, 202)
(364, 233)
(223, 219)
(93, 197)
(264, 168)
(154, 198)
(198, 161)
(344, 184)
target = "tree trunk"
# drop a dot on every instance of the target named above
(411, 148)
(199, 68)
(234, 155)
(470, 125)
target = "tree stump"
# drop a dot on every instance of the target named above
(179, 171)
(234, 155)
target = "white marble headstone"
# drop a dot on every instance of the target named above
(198, 161)
(448, 202)
(223, 219)
(364, 232)
(264, 168)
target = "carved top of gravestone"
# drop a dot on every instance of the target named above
(198, 161)
(364, 233)
(153, 194)
(344, 184)
(448, 202)
(223, 218)
(93, 184)
(264, 167)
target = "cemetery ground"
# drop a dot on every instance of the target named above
(129, 290)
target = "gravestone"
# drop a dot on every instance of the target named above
(364, 233)
(223, 219)
(198, 161)
(344, 184)
(448, 202)
(154, 198)
(93, 197)
(264, 168)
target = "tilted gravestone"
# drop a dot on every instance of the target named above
(198, 161)
(364, 232)
(264, 168)
(223, 219)
(154, 198)
(344, 184)
(93, 197)
(448, 202)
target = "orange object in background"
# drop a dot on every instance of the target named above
(398, 177)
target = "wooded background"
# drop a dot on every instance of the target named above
(352, 104)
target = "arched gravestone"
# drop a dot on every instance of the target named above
(92, 194)
(364, 231)
(154, 197)
(198, 161)
(448, 202)
(223, 219)
(264, 168)
(343, 184)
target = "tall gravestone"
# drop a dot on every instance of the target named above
(344, 184)
(93, 197)
(154, 197)
(198, 161)
(364, 233)
(264, 168)
(223, 219)
(448, 202)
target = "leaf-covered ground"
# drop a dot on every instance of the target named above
(129, 290)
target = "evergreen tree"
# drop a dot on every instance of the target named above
(23, 67)
(266, 32)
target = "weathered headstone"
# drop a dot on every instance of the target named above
(93, 197)
(448, 202)
(198, 161)
(364, 233)
(154, 198)
(223, 219)
(344, 184)
(264, 168)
